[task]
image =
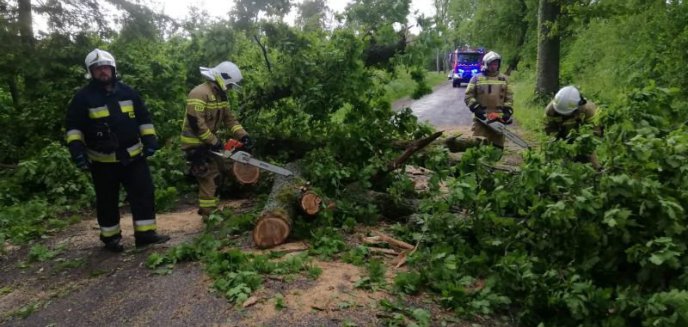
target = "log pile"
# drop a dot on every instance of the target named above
(289, 195)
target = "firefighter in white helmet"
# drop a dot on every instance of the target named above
(207, 110)
(568, 111)
(488, 93)
(110, 133)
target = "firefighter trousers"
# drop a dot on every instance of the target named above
(138, 184)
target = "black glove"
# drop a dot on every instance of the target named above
(150, 145)
(478, 111)
(217, 146)
(507, 112)
(248, 142)
(81, 161)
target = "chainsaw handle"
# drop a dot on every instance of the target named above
(232, 145)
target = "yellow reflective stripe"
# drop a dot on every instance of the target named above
(206, 135)
(197, 104)
(144, 225)
(126, 106)
(100, 112)
(491, 82)
(205, 203)
(74, 135)
(101, 157)
(135, 149)
(236, 128)
(216, 106)
(109, 231)
(191, 140)
(146, 129)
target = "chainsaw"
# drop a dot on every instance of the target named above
(231, 151)
(494, 122)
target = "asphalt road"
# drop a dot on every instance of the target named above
(443, 108)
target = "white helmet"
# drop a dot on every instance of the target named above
(224, 74)
(490, 57)
(98, 58)
(567, 100)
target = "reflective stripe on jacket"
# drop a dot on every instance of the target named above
(492, 92)
(108, 126)
(206, 110)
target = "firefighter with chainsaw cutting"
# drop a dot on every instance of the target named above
(207, 109)
(489, 97)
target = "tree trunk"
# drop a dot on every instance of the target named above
(288, 195)
(547, 80)
(25, 20)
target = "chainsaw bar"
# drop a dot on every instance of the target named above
(501, 129)
(244, 157)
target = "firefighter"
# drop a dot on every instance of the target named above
(489, 92)
(568, 111)
(110, 133)
(207, 109)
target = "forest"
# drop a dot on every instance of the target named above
(551, 242)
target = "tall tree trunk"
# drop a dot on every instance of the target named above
(26, 23)
(516, 59)
(547, 80)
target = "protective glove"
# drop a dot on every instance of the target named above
(217, 146)
(478, 111)
(507, 113)
(150, 145)
(147, 152)
(248, 142)
(81, 161)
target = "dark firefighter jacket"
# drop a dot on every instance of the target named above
(110, 127)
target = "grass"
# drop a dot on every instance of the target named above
(528, 113)
(403, 85)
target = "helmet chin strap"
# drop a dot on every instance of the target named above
(220, 82)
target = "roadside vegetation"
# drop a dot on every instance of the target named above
(555, 243)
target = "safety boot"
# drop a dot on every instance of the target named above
(149, 237)
(205, 213)
(113, 244)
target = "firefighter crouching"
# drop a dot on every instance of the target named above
(110, 133)
(568, 111)
(207, 109)
(489, 92)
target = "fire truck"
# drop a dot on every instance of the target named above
(466, 63)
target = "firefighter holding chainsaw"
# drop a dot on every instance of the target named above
(207, 109)
(110, 134)
(489, 97)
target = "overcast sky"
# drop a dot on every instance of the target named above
(219, 8)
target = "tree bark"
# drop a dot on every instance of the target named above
(547, 79)
(25, 20)
(288, 195)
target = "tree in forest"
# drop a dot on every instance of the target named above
(312, 15)
(247, 13)
(547, 74)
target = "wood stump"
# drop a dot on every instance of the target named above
(245, 174)
(288, 196)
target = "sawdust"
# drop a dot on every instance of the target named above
(332, 296)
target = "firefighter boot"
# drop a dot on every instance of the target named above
(205, 213)
(149, 237)
(113, 244)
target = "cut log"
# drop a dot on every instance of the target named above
(310, 202)
(392, 241)
(410, 150)
(461, 144)
(286, 197)
(245, 174)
